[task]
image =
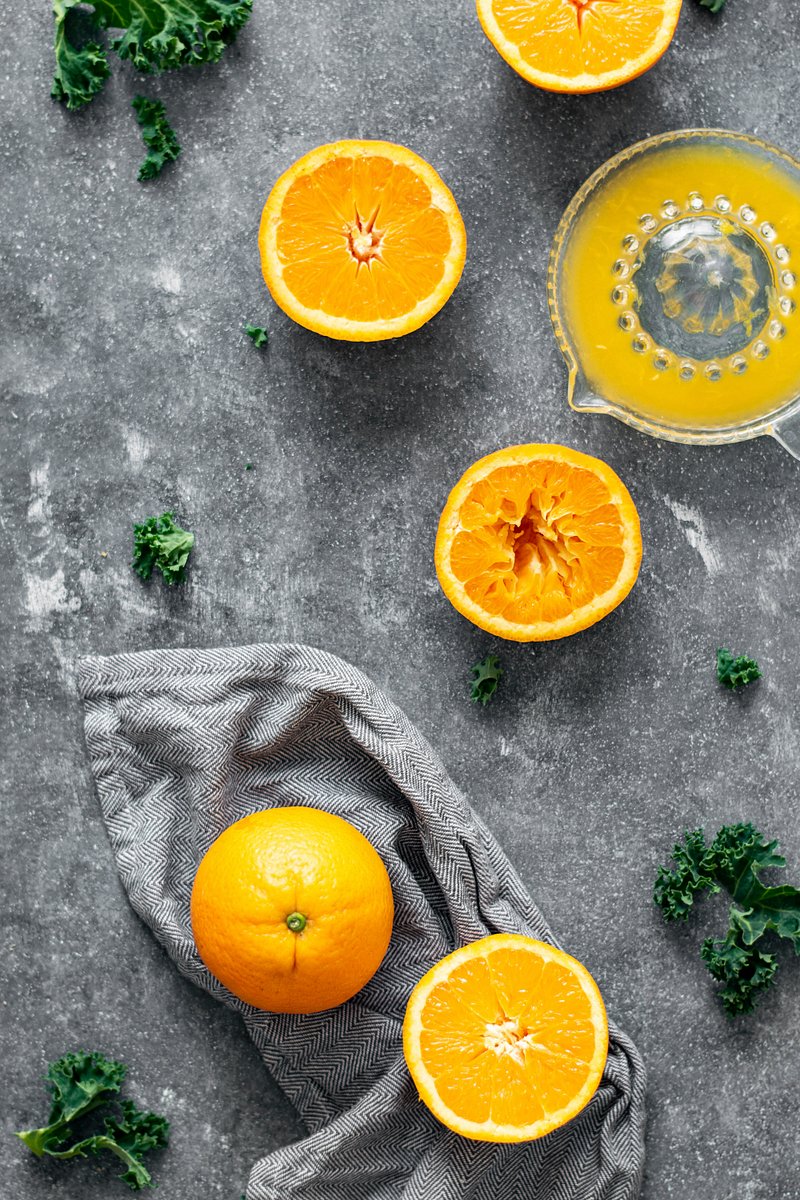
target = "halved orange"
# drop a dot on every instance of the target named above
(579, 45)
(361, 240)
(506, 1039)
(538, 542)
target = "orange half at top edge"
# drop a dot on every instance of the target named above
(579, 45)
(538, 542)
(362, 241)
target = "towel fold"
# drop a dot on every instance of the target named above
(184, 742)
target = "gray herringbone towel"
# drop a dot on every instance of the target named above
(184, 742)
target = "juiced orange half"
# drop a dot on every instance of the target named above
(538, 542)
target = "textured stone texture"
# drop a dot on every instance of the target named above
(128, 387)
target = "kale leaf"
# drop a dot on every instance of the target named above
(129, 1137)
(159, 543)
(81, 71)
(736, 672)
(485, 678)
(157, 134)
(80, 1083)
(259, 335)
(732, 861)
(156, 35)
(715, 5)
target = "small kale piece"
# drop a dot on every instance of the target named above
(733, 861)
(485, 678)
(714, 5)
(157, 35)
(159, 543)
(78, 1083)
(129, 1137)
(157, 134)
(736, 672)
(259, 335)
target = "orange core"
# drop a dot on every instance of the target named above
(363, 240)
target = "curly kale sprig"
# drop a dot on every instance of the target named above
(258, 333)
(80, 1083)
(675, 890)
(158, 543)
(157, 134)
(156, 35)
(732, 862)
(735, 672)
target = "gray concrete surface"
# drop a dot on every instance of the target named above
(128, 388)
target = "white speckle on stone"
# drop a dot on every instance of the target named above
(768, 600)
(137, 446)
(47, 596)
(505, 747)
(65, 661)
(694, 530)
(171, 1100)
(782, 738)
(39, 503)
(167, 279)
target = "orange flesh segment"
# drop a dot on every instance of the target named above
(359, 238)
(537, 541)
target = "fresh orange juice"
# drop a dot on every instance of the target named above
(673, 286)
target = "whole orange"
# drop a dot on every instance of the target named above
(292, 910)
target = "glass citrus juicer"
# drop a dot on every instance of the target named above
(673, 293)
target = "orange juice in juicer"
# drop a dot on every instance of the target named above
(673, 292)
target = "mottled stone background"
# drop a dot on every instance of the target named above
(129, 387)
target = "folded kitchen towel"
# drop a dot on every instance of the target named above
(184, 742)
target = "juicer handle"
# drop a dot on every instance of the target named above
(787, 432)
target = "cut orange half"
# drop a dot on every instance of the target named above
(506, 1039)
(538, 542)
(361, 241)
(579, 45)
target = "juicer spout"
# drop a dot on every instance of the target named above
(786, 430)
(581, 395)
